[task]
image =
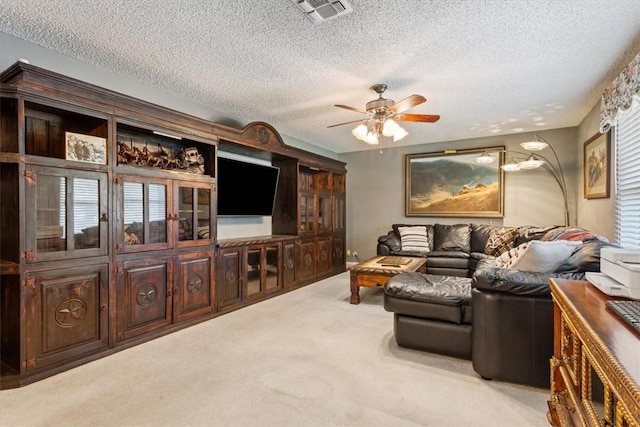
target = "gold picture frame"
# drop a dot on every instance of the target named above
(451, 183)
(596, 173)
(85, 148)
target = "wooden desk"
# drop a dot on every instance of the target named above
(593, 350)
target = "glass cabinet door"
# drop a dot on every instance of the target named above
(339, 212)
(144, 214)
(195, 213)
(66, 213)
(306, 213)
(253, 272)
(324, 213)
(272, 267)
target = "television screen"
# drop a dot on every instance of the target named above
(246, 189)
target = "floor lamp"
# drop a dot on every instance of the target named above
(534, 161)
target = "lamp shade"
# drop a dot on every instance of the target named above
(360, 132)
(534, 145)
(390, 127)
(531, 163)
(371, 138)
(512, 166)
(399, 134)
(485, 158)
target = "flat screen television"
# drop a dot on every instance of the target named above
(246, 189)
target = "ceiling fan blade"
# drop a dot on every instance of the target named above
(357, 110)
(408, 102)
(425, 118)
(348, 123)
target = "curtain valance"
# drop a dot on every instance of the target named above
(620, 95)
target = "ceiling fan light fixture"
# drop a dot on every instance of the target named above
(360, 132)
(399, 134)
(371, 138)
(390, 127)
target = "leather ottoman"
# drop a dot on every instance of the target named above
(431, 312)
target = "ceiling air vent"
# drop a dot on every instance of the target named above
(321, 10)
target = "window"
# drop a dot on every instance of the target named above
(627, 137)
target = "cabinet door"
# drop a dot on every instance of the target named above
(254, 272)
(68, 314)
(323, 266)
(288, 263)
(194, 286)
(143, 296)
(306, 262)
(66, 213)
(229, 277)
(143, 214)
(324, 213)
(307, 208)
(339, 210)
(338, 259)
(193, 204)
(272, 270)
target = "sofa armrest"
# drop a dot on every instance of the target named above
(389, 244)
(512, 281)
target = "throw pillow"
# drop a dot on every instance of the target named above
(504, 257)
(542, 257)
(414, 239)
(571, 233)
(500, 241)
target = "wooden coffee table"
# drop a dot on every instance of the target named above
(377, 270)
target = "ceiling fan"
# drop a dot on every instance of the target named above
(382, 116)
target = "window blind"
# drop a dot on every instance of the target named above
(627, 137)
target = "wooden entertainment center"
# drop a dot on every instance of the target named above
(109, 222)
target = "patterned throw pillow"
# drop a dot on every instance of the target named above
(500, 241)
(414, 239)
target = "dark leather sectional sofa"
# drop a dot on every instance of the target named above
(467, 305)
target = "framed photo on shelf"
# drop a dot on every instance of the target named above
(452, 183)
(85, 148)
(597, 175)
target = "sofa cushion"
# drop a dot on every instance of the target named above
(414, 238)
(538, 257)
(585, 257)
(452, 237)
(500, 241)
(480, 236)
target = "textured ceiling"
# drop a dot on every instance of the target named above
(487, 67)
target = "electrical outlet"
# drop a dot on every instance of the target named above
(348, 252)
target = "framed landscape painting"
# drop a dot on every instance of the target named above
(596, 166)
(452, 183)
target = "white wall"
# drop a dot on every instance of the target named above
(376, 184)
(597, 215)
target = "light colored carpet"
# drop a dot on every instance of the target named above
(306, 358)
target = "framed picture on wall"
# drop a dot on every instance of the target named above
(85, 148)
(597, 175)
(452, 183)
